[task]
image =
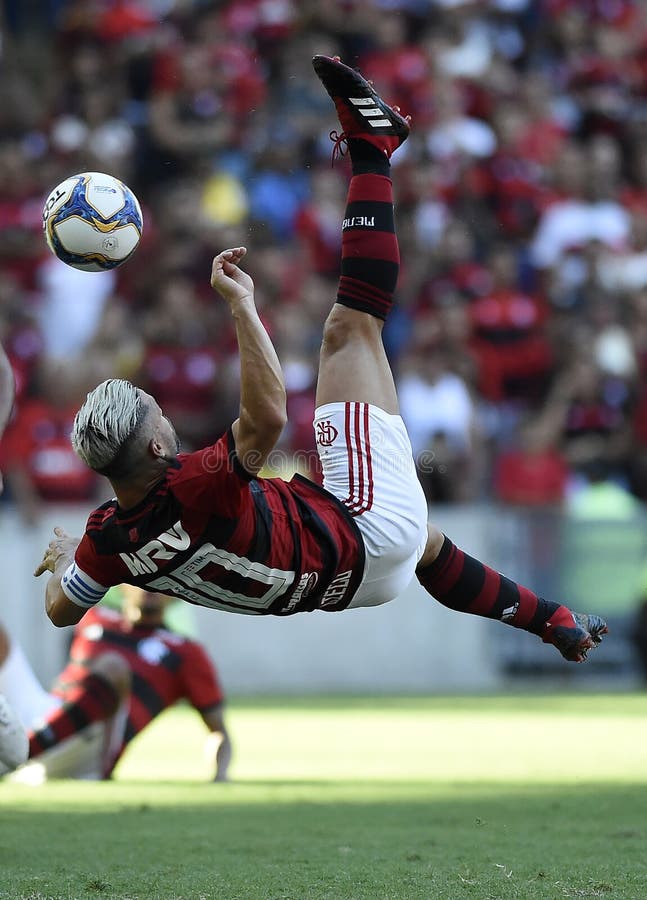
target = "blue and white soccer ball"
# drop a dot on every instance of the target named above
(92, 222)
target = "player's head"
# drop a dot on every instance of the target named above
(143, 607)
(120, 432)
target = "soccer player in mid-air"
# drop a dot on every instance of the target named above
(124, 668)
(206, 528)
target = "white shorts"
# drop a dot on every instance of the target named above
(80, 756)
(368, 464)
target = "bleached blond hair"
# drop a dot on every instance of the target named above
(106, 424)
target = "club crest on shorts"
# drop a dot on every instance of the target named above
(326, 433)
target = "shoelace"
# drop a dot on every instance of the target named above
(340, 145)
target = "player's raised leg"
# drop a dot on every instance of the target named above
(353, 364)
(354, 370)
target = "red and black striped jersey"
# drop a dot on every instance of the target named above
(212, 534)
(165, 667)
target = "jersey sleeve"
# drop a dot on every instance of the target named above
(201, 685)
(212, 478)
(87, 579)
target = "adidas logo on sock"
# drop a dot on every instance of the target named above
(508, 614)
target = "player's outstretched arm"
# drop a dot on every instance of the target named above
(218, 746)
(262, 388)
(7, 389)
(57, 558)
(7, 393)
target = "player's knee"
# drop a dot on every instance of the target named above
(435, 539)
(345, 325)
(115, 670)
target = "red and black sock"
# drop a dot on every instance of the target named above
(370, 255)
(461, 582)
(91, 700)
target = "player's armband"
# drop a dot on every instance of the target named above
(80, 588)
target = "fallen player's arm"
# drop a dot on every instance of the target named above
(262, 388)
(218, 744)
(58, 557)
(7, 393)
(7, 389)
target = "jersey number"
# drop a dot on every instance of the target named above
(186, 582)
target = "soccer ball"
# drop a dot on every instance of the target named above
(92, 222)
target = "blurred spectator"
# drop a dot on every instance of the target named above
(534, 473)
(625, 268)
(400, 64)
(185, 344)
(37, 456)
(21, 242)
(71, 307)
(455, 133)
(513, 354)
(317, 222)
(586, 207)
(438, 411)
(189, 115)
(588, 415)
(276, 189)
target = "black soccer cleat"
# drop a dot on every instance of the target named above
(362, 113)
(575, 635)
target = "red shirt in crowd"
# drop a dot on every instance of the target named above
(183, 379)
(531, 479)
(508, 341)
(38, 441)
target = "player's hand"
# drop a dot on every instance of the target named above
(232, 283)
(61, 545)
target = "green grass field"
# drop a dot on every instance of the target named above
(440, 798)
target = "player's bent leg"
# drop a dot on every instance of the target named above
(78, 757)
(462, 583)
(95, 698)
(63, 745)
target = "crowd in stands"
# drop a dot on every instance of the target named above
(519, 340)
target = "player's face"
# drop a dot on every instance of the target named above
(163, 431)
